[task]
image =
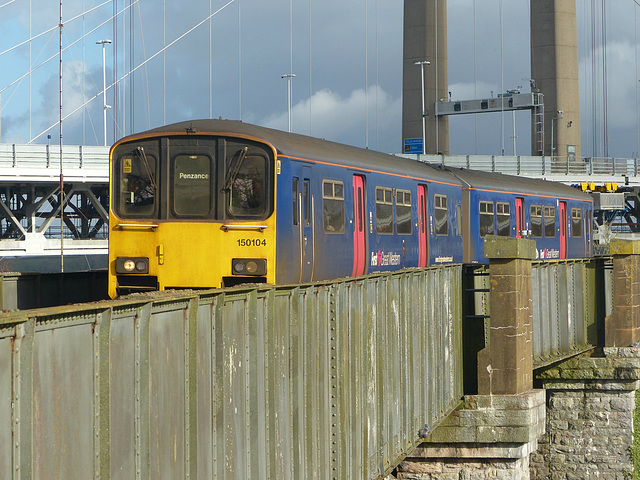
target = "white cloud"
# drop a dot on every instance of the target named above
(342, 119)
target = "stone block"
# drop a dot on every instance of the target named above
(624, 247)
(507, 247)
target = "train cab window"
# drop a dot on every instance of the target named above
(245, 176)
(384, 210)
(486, 219)
(536, 220)
(403, 212)
(503, 216)
(441, 214)
(191, 195)
(333, 206)
(138, 186)
(550, 222)
(576, 222)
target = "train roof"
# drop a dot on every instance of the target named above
(316, 149)
(490, 181)
(310, 148)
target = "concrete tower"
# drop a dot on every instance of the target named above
(554, 67)
(425, 39)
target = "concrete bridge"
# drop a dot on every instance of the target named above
(521, 369)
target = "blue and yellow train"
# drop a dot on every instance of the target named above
(211, 203)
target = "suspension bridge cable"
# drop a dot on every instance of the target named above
(54, 28)
(136, 68)
(32, 69)
(8, 3)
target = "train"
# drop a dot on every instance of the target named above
(217, 203)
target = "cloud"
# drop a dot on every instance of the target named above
(342, 119)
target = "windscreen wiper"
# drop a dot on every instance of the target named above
(236, 162)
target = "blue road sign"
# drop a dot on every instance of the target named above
(413, 145)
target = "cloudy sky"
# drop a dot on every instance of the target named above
(346, 55)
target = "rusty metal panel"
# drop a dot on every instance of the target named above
(6, 401)
(314, 381)
(124, 395)
(63, 398)
(564, 309)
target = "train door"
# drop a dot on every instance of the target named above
(359, 226)
(307, 246)
(422, 226)
(520, 225)
(563, 229)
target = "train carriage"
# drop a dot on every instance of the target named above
(214, 203)
(558, 217)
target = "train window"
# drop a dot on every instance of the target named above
(503, 216)
(441, 214)
(576, 222)
(333, 206)
(384, 210)
(138, 184)
(486, 219)
(403, 212)
(191, 185)
(246, 172)
(296, 202)
(536, 220)
(550, 222)
(306, 198)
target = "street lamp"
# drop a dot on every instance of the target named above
(289, 76)
(104, 89)
(553, 122)
(424, 113)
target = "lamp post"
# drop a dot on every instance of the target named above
(424, 113)
(289, 76)
(104, 89)
(553, 123)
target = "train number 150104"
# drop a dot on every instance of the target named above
(252, 242)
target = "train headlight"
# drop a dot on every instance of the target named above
(132, 265)
(249, 266)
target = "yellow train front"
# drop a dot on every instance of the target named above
(190, 210)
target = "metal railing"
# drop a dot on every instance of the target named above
(537, 166)
(329, 380)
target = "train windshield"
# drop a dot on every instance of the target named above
(246, 172)
(206, 178)
(138, 184)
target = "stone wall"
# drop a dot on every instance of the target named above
(590, 412)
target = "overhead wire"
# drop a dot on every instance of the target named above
(137, 67)
(53, 28)
(8, 3)
(32, 69)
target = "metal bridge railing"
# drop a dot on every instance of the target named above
(330, 380)
(539, 166)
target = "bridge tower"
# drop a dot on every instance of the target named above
(425, 39)
(554, 67)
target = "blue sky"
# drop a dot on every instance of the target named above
(346, 55)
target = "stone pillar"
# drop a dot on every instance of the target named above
(590, 413)
(622, 327)
(493, 434)
(505, 366)
(425, 39)
(554, 67)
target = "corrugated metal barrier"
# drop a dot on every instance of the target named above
(328, 381)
